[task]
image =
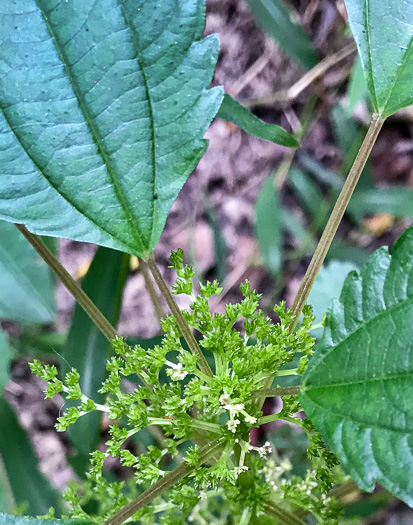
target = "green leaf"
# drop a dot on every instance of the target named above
(357, 91)
(395, 200)
(359, 384)
(276, 20)
(7, 519)
(26, 286)
(86, 349)
(327, 286)
(239, 115)
(268, 225)
(27, 483)
(5, 360)
(384, 35)
(103, 110)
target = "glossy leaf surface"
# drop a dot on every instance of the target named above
(359, 384)
(383, 31)
(103, 109)
(28, 485)
(275, 18)
(26, 286)
(239, 115)
(86, 349)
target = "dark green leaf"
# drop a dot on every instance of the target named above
(5, 359)
(359, 384)
(239, 115)
(268, 226)
(86, 348)
(28, 485)
(275, 18)
(384, 35)
(395, 200)
(26, 287)
(306, 190)
(103, 107)
(7, 519)
(357, 91)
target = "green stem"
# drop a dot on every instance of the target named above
(176, 312)
(70, 284)
(335, 218)
(201, 425)
(156, 303)
(285, 517)
(163, 484)
(278, 391)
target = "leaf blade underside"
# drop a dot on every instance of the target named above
(103, 107)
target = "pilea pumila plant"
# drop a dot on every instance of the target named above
(103, 110)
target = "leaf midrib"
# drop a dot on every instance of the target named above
(345, 417)
(95, 134)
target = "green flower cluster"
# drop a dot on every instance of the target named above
(164, 387)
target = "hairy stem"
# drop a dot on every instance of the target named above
(278, 391)
(70, 284)
(156, 303)
(163, 484)
(176, 312)
(283, 516)
(335, 218)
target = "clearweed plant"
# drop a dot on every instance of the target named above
(103, 110)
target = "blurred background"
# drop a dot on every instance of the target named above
(251, 210)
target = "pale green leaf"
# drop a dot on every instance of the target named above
(239, 115)
(26, 286)
(8, 519)
(358, 387)
(103, 109)
(383, 31)
(5, 360)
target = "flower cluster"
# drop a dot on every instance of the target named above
(164, 388)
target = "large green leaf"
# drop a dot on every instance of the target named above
(383, 31)
(275, 18)
(8, 519)
(24, 478)
(26, 286)
(358, 387)
(86, 349)
(240, 116)
(103, 109)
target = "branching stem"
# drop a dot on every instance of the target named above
(283, 515)
(156, 303)
(335, 218)
(176, 312)
(163, 484)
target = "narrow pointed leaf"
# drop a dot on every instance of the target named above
(103, 109)
(275, 18)
(358, 387)
(86, 349)
(383, 31)
(8, 519)
(28, 485)
(26, 286)
(239, 115)
(5, 360)
(268, 226)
